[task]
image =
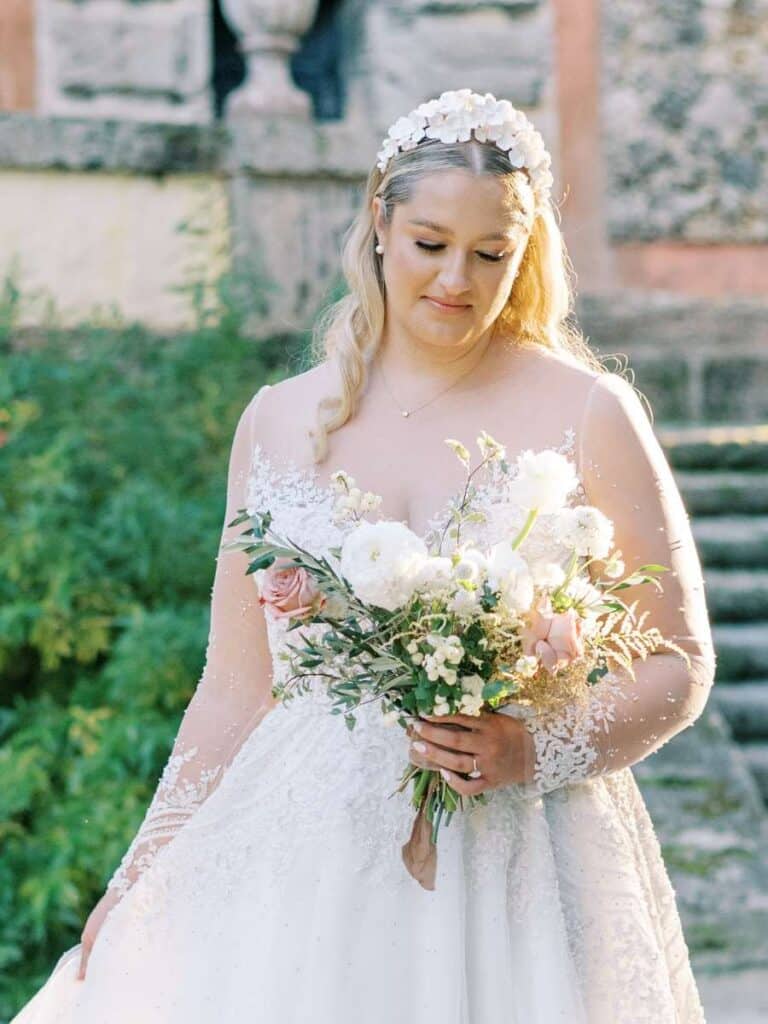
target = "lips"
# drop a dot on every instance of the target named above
(447, 305)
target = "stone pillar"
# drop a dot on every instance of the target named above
(268, 32)
(148, 61)
(17, 55)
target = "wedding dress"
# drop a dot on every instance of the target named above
(266, 883)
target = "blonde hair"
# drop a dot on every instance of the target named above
(536, 313)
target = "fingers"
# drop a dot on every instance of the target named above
(467, 787)
(437, 757)
(464, 740)
(475, 723)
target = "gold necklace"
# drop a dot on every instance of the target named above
(408, 412)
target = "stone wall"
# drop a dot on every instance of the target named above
(684, 98)
(415, 49)
(149, 60)
(111, 218)
(697, 360)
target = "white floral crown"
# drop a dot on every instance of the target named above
(458, 113)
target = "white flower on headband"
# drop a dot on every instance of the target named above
(460, 112)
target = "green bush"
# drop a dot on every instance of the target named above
(113, 460)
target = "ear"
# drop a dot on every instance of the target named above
(377, 208)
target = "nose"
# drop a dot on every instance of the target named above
(453, 277)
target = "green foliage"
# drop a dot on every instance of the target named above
(113, 458)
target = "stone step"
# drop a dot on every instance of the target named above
(724, 493)
(736, 595)
(732, 541)
(716, 448)
(711, 821)
(742, 650)
(756, 755)
(744, 707)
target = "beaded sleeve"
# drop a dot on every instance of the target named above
(233, 692)
(626, 475)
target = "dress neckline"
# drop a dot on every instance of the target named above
(306, 479)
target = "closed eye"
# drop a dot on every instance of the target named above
(437, 246)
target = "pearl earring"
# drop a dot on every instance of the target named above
(379, 248)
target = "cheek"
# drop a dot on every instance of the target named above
(499, 288)
(409, 273)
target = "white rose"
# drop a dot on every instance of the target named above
(543, 480)
(381, 561)
(586, 530)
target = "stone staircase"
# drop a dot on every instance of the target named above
(723, 476)
(702, 789)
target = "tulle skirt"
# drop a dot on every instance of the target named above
(285, 900)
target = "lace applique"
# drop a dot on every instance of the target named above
(564, 741)
(175, 801)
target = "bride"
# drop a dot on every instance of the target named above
(266, 882)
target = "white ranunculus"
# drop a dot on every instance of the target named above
(543, 480)
(382, 562)
(586, 530)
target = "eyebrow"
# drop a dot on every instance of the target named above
(496, 236)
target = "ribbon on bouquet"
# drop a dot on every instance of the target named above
(420, 853)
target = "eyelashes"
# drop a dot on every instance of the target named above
(490, 258)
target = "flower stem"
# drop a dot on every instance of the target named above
(527, 526)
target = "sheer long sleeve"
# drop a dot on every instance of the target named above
(232, 695)
(626, 475)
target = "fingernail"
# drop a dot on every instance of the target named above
(421, 747)
(446, 775)
(418, 726)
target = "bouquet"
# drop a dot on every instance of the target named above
(420, 631)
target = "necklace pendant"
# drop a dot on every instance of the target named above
(405, 412)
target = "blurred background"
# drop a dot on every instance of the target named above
(175, 179)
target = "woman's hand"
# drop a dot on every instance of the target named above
(502, 747)
(93, 927)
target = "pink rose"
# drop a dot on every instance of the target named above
(554, 637)
(288, 590)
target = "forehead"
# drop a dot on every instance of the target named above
(461, 203)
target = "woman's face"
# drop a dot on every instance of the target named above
(451, 255)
